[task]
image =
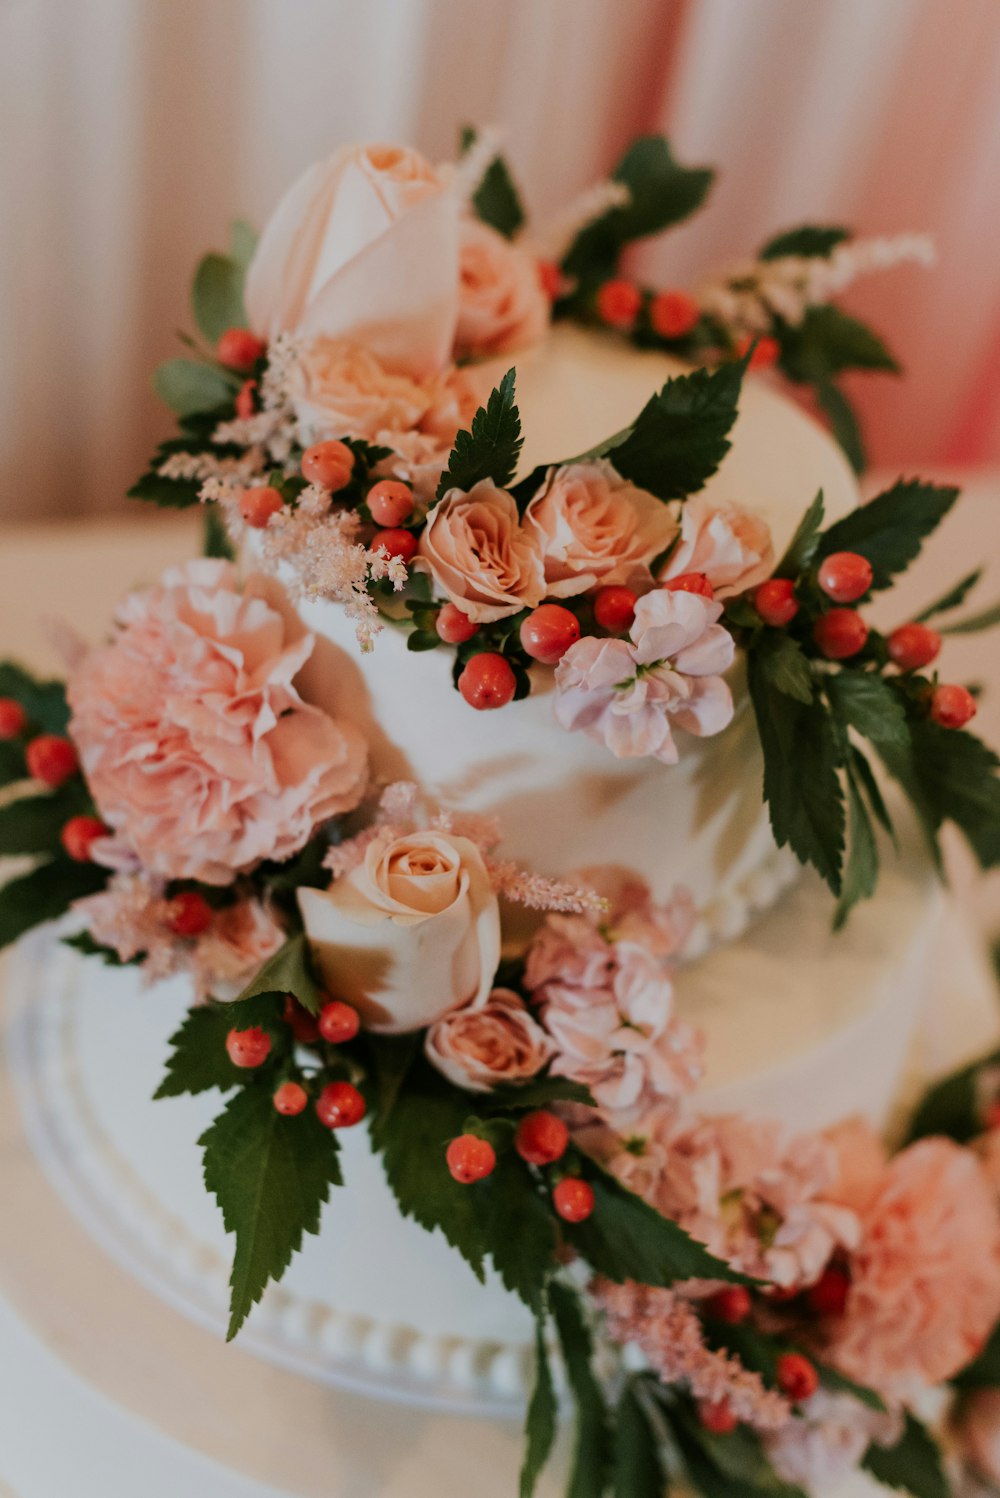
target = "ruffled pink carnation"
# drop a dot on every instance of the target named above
(199, 751)
(728, 543)
(501, 304)
(480, 1047)
(925, 1279)
(630, 695)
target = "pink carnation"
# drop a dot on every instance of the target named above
(726, 542)
(479, 1047)
(198, 750)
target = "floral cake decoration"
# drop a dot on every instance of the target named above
(745, 1310)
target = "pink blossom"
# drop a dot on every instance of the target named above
(726, 542)
(240, 939)
(501, 304)
(826, 1443)
(861, 1161)
(477, 1048)
(199, 751)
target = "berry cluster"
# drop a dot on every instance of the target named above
(338, 1103)
(541, 1140)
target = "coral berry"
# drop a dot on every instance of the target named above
(302, 1024)
(775, 601)
(248, 1048)
(764, 355)
(913, 646)
(189, 913)
(390, 502)
(840, 634)
(470, 1159)
(340, 1106)
(338, 1022)
(618, 304)
(614, 608)
(454, 627)
(573, 1199)
(797, 1378)
(246, 402)
(78, 834)
(731, 1305)
(329, 464)
(291, 1099)
(690, 582)
(551, 279)
(952, 706)
(828, 1297)
(238, 348)
(51, 759)
(541, 1138)
(717, 1416)
(845, 576)
(396, 543)
(673, 314)
(258, 505)
(13, 718)
(487, 682)
(548, 632)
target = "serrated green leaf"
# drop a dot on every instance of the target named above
(496, 200)
(844, 423)
(198, 1059)
(725, 1466)
(288, 971)
(638, 1469)
(891, 528)
(217, 297)
(271, 1176)
(542, 1092)
(913, 1465)
(869, 785)
(190, 388)
(490, 449)
(242, 242)
(32, 824)
(803, 545)
(827, 342)
(542, 1419)
(988, 619)
(957, 779)
(952, 1106)
(785, 666)
(172, 494)
(865, 701)
(861, 866)
(950, 600)
(523, 1258)
(392, 1056)
(44, 894)
(592, 1453)
(43, 701)
(811, 241)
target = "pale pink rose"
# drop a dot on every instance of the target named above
(824, 1445)
(925, 1280)
(977, 1429)
(238, 942)
(479, 556)
(861, 1161)
(729, 543)
(199, 751)
(501, 304)
(630, 696)
(363, 247)
(420, 455)
(340, 389)
(593, 529)
(479, 1048)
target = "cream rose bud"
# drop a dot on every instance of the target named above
(594, 529)
(411, 933)
(479, 1048)
(480, 556)
(501, 304)
(729, 543)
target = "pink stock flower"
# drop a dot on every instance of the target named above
(501, 304)
(726, 542)
(630, 695)
(477, 1048)
(199, 751)
(826, 1443)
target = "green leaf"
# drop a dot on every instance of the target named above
(950, 600)
(803, 545)
(591, 1457)
(490, 449)
(288, 971)
(761, 1352)
(216, 542)
(32, 824)
(811, 241)
(392, 1056)
(843, 423)
(422, 639)
(189, 387)
(43, 701)
(217, 297)
(952, 1106)
(198, 1059)
(496, 200)
(827, 342)
(913, 1465)
(861, 868)
(661, 193)
(725, 1466)
(542, 1092)
(524, 1258)
(44, 894)
(12, 762)
(866, 702)
(638, 1470)
(85, 944)
(543, 1414)
(173, 494)
(954, 777)
(242, 242)
(891, 529)
(988, 619)
(785, 666)
(867, 783)
(271, 1176)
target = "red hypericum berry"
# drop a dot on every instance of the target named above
(775, 601)
(764, 355)
(302, 1024)
(338, 1022)
(246, 402)
(952, 706)
(238, 348)
(690, 582)
(396, 543)
(258, 505)
(51, 759)
(454, 627)
(390, 502)
(731, 1305)
(551, 279)
(340, 1106)
(913, 646)
(291, 1099)
(573, 1199)
(991, 1115)
(717, 1416)
(13, 718)
(189, 913)
(541, 1138)
(797, 1378)
(548, 632)
(78, 834)
(248, 1048)
(487, 682)
(828, 1297)
(673, 314)
(618, 304)
(840, 634)
(614, 608)
(470, 1159)
(329, 464)
(845, 576)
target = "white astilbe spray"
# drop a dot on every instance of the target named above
(584, 210)
(541, 892)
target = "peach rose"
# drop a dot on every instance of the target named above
(481, 1047)
(727, 542)
(411, 933)
(200, 753)
(977, 1427)
(593, 529)
(364, 247)
(478, 554)
(501, 304)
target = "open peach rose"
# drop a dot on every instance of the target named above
(594, 529)
(478, 1048)
(411, 933)
(340, 389)
(480, 556)
(729, 543)
(501, 304)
